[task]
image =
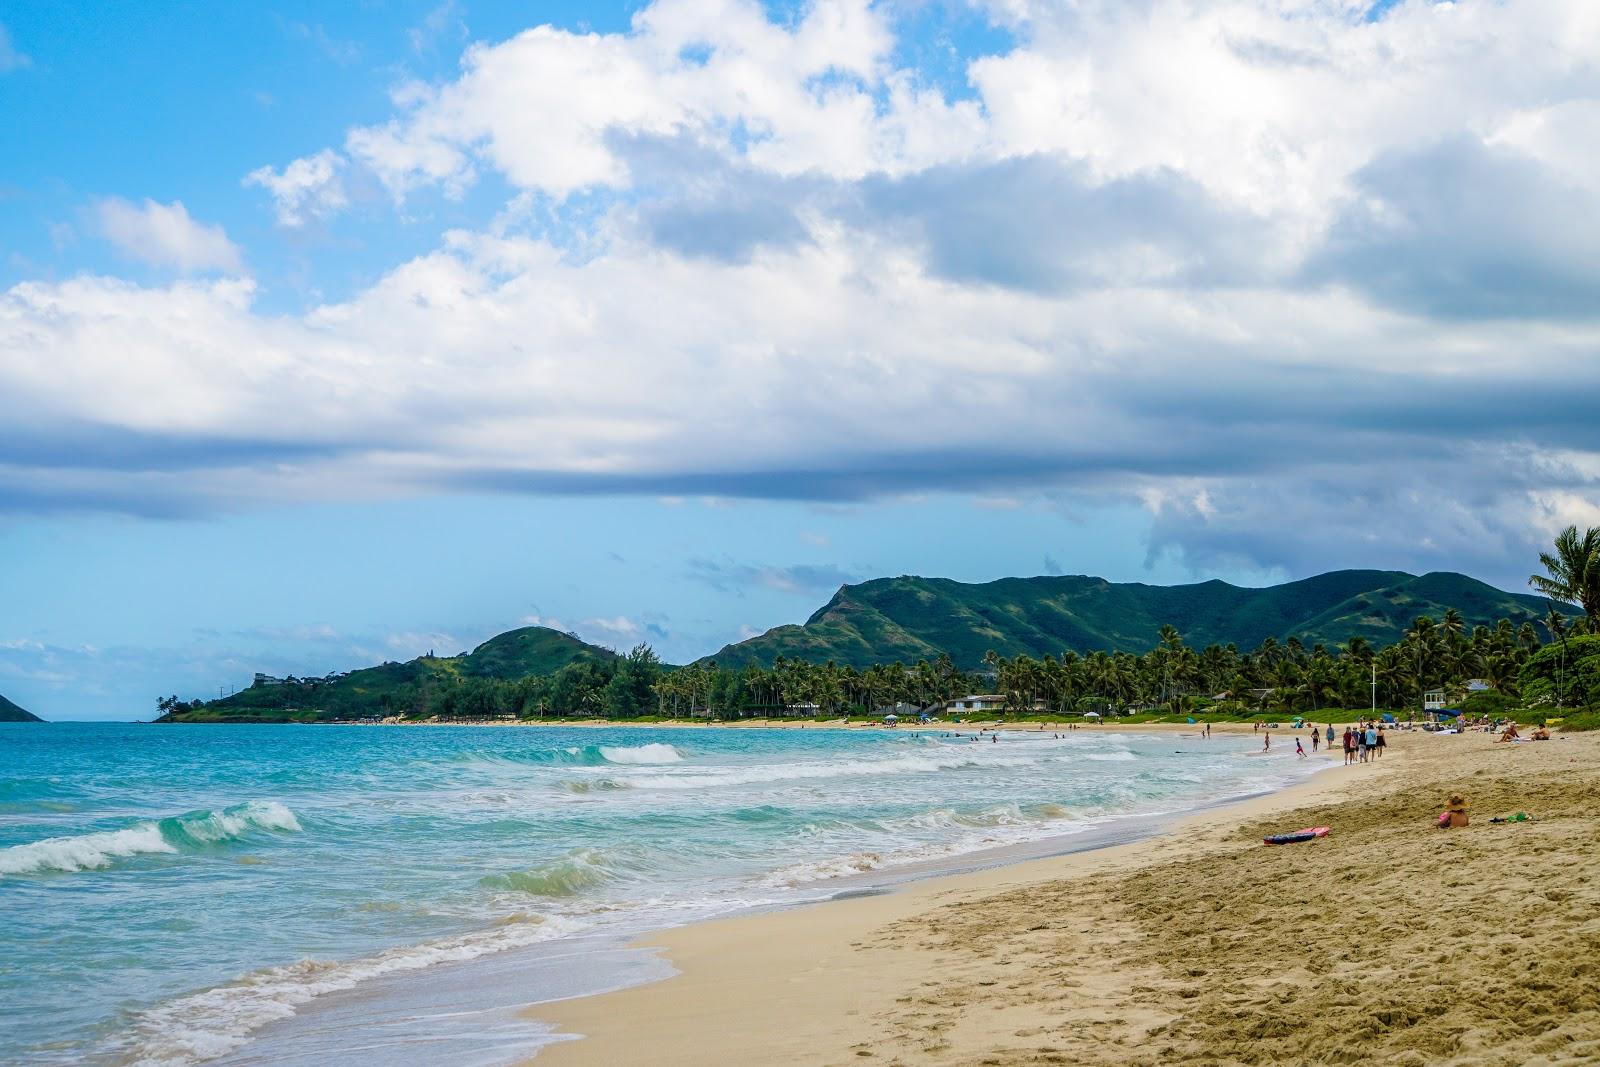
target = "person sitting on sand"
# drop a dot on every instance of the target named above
(1541, 734)
(1510, 734)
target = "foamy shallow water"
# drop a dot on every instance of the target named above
(177, 895)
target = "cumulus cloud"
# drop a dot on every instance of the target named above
(1296, 276)
(163, 235)
(305, 189)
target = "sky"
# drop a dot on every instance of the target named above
(335, 334)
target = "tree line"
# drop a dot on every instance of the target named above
(1512, 661)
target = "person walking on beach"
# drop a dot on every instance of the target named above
(1267, 745)
(1299, 749)
(1382, 743)
(1372, 742)
(1316, 736)
(1349, 747)
(1330, 735)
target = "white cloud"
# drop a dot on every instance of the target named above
(163, 235)
(1111, 273)
(306, 189)
(11, 57)
(541, 107)
(620, 629)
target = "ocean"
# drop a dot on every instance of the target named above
(323, 894)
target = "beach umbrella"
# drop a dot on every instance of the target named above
(1091, 715)
(891, 718)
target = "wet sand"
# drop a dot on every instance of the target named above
(1389, 941)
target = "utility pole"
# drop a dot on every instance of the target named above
(1374, 689)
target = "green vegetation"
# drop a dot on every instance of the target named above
(516, 673)
(906, 619)
(921, 642)
(9, 712)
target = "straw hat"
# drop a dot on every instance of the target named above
(1456, 803)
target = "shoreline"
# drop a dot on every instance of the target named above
(671, 1016)
(1197, 945)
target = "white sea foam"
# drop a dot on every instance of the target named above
(1108, 757)
(703, 778)
(211, 1023)
(85, 852)
(1004, 824)
(645, 754)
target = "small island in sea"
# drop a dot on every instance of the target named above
(9, 712)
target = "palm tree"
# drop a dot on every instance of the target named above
(1573, 573)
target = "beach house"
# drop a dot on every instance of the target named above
(975, 704)
(1433, 700)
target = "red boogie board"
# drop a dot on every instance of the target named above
(1308, 834)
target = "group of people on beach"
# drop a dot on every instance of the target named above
(1363, 741)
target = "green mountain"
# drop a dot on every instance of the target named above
(394, 687)
(9, 712)
(911, 618)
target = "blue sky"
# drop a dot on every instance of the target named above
(334, 333)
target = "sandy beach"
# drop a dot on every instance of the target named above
(1389, 941)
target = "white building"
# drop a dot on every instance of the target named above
(1433, 700)
(977, 704)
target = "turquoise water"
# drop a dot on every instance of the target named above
(175, 894)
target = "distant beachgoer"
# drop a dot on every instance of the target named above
(1382, 741)
(1267, 745)
(1316, 738)
(995, 738)
(1330, 735)
(1349, 746)
(1299, 749)
(1372, 741)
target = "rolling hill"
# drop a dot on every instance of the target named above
(910, 618)
(9, 712)
(511, 655)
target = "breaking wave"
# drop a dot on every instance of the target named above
(645, 754)
(180, 833)
(568, 876)
(575, 756)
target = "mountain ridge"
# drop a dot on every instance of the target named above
(912, 617)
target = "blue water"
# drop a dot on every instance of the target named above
(174, 894)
